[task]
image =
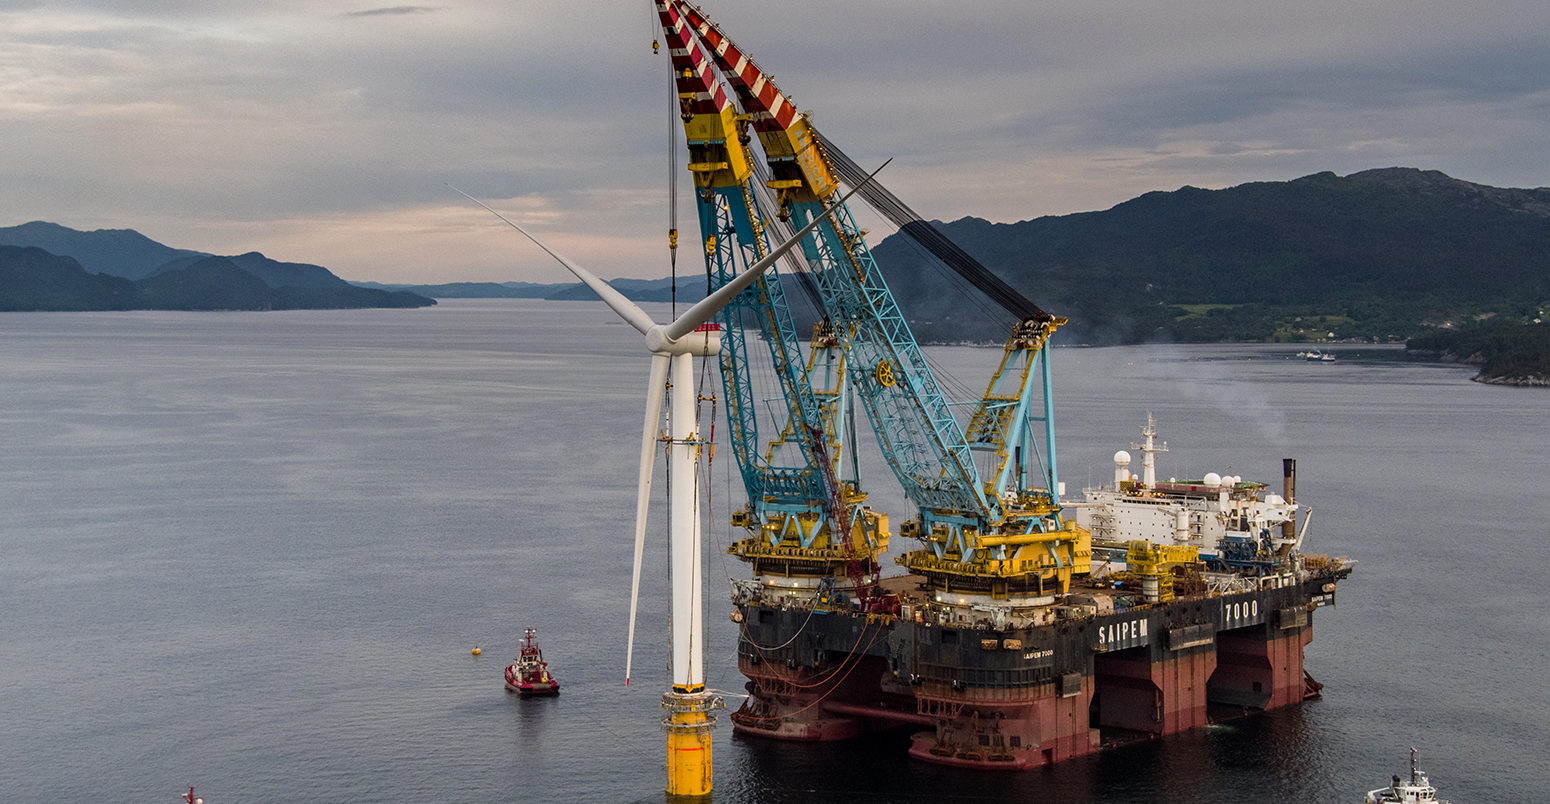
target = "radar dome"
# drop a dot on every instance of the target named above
(1122, 458)
(1212, 479)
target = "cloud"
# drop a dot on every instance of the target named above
(393, 11)
(254, 118)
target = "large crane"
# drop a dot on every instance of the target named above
(987, 531)
(810, 529)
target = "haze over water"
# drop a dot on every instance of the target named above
(252, 552)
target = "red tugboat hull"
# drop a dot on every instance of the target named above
(529, 674)
(514, 683)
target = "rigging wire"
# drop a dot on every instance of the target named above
(667, 495)
(804, 274)
(655, 24)
(722, 550)
(971, 281)
(820, 699)
(703, 486)
(958, 286)
(672, 251)
(826, 676)
(795, 259)
(911, 225)
(672, 184)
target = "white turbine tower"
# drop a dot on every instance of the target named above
(675, 345)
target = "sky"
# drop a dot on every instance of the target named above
(328, 132)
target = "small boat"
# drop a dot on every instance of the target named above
(1418, 791)
(529, 674)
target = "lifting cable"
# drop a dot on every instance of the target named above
(673, 124)
(708, 448)
(811, 609)
(830, 674)
(795, 259)
(927, 235)
(672, 250)
(667, 493)
(697, 588)
(826, 694)
(727, 573)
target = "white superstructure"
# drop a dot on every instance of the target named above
(1418, 791)
(1229, 520)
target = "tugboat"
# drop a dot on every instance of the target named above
(1418, 791)
(529, 674)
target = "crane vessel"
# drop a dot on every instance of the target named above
(1023, 630)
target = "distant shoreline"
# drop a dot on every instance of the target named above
(1531, 381)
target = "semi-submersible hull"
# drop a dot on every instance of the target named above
(984, 696)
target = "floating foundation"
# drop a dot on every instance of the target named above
(688, 723)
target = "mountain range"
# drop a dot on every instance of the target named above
(1377, 255)
(1382, 255)
(45, 266)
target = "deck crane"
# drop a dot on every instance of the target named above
(795, 492)
(999, 540)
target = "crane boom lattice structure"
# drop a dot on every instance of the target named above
(999, 534)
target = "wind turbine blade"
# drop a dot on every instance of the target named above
(648, 443)
(616, 301)
(707, 308)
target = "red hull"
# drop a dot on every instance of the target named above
(523, 686)
(1012, 729)
(797, 702)
(552, 689)
(1136, 699)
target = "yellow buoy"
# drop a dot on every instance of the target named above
(477, 651)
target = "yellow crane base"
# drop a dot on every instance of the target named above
(688, 724)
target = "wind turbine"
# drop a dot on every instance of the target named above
(674, 346)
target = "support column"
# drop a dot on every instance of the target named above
(1159, 696)
(1260, 668)
(1006, 729)
(688, 724)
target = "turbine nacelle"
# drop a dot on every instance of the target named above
(702, 342)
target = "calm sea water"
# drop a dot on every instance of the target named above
(253, 552)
